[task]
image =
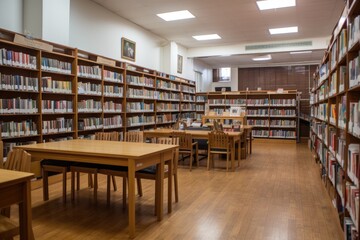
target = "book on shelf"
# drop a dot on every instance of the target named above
(354, 72)
(333, 61)
(352, 203)
(354, 119)
(342, 113)
(113, 76)
(88, 88)
(350, 232)
(342, 77)
(89, 71)
(17, 59)
(18, 106)
(54, 65)
(342, 43)
(353, 163)
(18, 83)
(55, 86)
(332, 116)
(60, 125)
(333, 84)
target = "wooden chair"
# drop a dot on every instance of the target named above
(1, 154)
(219, 143)
(17, 160)
(187, 146)
(92, 169)
(150, 172)
(54, 166)
(135, 136)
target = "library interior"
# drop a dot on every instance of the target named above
(176, 119)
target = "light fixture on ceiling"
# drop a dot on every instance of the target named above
(301, 52)
(262, 58)
(177, 15)
(283, 30)
(273, 4)
(207, 37)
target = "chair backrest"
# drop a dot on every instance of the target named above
(109, 136)
(171, 141)
(134, 136)
(216, 125)
(185, 140)
(18, 160)
(218, 140)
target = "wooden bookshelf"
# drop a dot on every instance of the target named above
(335, 124)
(56, 92)
(272, 114)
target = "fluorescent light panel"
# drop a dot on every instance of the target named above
(273, 4)
(301, 52)
(283, 30)
(207, 37)
(178, 15)
(262, 58)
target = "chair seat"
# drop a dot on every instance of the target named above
(151, 170)
(8, 228)
(58, 163)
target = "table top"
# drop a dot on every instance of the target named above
(99, 148)
(8, 177)
(192, 132)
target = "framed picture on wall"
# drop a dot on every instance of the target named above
(128, 49)
(179, 63)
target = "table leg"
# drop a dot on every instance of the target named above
(233, 156)
(25, 215)
(250, 141)
(160, 188)
(131, 196)
(170, 176)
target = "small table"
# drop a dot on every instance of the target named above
(133, 155)
(15, 188)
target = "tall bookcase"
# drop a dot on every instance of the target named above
(335, 112)
(272, 114)
(51, 92)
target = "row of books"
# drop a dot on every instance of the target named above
(352, 203)
(188, 107)
(166, 118)
(57, 106)
(55, 86)
(354, 31)
(282, 123)
(342, 113)
(333, 84)
(89, 105)
(18, 105)
(18, 129)
(282, 134)
(140, 93)
(321, 130)
(342, 43)
(60, 125)
(186, 97)
(354, 72)
(282, 112)
(112, 107)
(334, 54)
(140, 81)
(258, 122)
(188, 89)
(332, 140)
(350, 231)
(17, 59)
(258, 102)
(283, 102)
(260, 133)
(54, 65)
(257, 112)
(168, 96)
(354, 120)
(200, 98)
(323, 91)
(187, 115)
(113, 76)
(113, 91)
(113, 122)
(140, 120)
(200, 108)
(320, 111)
(139, 107)
(90, 123)
(167, 107)
(331, 168)
(166, 85)
(18, 83)
(89, 71)
(353, 163)
(88, 88)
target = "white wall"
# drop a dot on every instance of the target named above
(56, 21)
(97, 30)
(11, 15)
(206, 71)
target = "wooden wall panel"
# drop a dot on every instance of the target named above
(289, 77)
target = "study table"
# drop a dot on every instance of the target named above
(135, 156)
(235, 137)
(15, 189)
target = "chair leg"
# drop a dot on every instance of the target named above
(227, 161)
(176, 184)
(45, 185)
(208, 161)
(108, 182)
(77, 181)
(95, 186)
(73, 185)
(124, 192)
(191, 159)
(197, 155)
(64, 186)
(138, 180)
(114, 183)
(90, 181)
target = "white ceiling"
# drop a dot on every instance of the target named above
(236, 21)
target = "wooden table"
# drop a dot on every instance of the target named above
(235, 137)
(134, 156)
(15, 189)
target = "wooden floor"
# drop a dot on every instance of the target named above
(275, 195)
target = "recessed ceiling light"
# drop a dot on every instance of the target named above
(262, 58)
(272, 4)
(301, 52)
(207, 37)
(178, 15)
(283, 30)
